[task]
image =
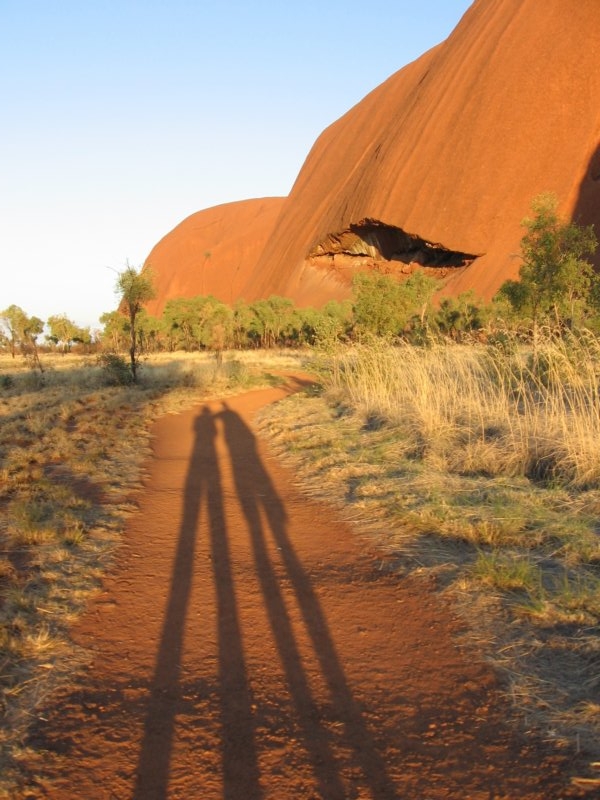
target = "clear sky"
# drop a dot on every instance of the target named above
(122, 117)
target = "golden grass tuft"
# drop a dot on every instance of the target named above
(482, 409)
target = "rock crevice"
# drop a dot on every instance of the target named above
(377, 241)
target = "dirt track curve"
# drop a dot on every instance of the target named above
(247, 646)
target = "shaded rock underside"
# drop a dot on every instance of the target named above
(372, 242)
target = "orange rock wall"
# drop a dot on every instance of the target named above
(454, 147)
(213, 252)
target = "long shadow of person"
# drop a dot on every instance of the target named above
(256, 495)
(203, 500)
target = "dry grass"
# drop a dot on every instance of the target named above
(482, 469)
(483, 409)
(71, 454)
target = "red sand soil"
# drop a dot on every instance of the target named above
(247, 644)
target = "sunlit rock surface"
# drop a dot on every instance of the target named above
(434, 169)
(213, 252)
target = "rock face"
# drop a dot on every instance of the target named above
(213, 252)
(438, 166)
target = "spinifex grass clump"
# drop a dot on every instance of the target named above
(485, 410)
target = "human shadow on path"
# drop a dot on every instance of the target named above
(202, 498)
(257, 496)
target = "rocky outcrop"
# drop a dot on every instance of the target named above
(213, 252)
(450, 151)
(437, 167)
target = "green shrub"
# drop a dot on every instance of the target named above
(116, 369)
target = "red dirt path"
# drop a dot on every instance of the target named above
(246, 645)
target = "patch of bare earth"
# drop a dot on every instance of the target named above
(247, 644)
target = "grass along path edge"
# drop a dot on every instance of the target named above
(533, 614)
(71, 458)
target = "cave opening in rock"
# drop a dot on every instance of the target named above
(376, 241)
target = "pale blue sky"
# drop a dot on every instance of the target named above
(122, 117)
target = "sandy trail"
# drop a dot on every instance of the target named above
(247, 646)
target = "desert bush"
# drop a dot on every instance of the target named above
(116, 370)
(557, 282)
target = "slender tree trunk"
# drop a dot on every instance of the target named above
(36, 357)
(132, 348)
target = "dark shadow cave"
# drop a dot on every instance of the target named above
(376, 241)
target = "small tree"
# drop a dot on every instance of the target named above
(384, 305)
(150, 333)
(33, 327)
(63, 331)
(272, 319)
(115, 333)
(13, 319)
(242, 321)
(218, 328)
(23, 331)
(83, 336)
(555, 280)
(378, 304)
(135, 289)
(180, 316)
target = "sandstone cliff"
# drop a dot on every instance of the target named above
(436, 167)
(213, 252)
(451, 150)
